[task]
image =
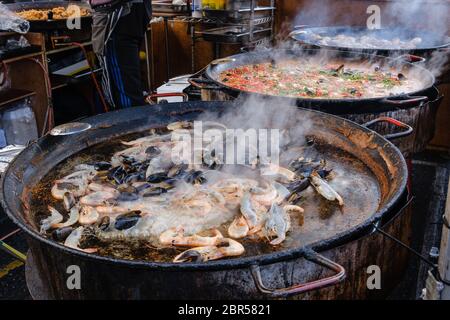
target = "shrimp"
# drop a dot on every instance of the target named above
(247, 210)
(226, 248)
(238, 228)
(277, 224)
(176, 237)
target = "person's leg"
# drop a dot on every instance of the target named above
(123, 57)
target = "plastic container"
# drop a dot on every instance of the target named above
(2, 139)
(197, 8)
(19, 124)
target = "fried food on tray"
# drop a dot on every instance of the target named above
(58, 13)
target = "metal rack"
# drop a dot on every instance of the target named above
(245, 26)
(252, 23)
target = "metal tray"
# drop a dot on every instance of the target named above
(238, 15)
(234, 34)
(168, 7)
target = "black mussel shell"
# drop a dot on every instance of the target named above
(134, 177)
(143, 187)
(153, 192)
(127, 188)
(116, 174)
(195, 177)
(127, 220)
(177, 170)
(68, 201)
(61, 234)
(127, 196)
(102, 166)
(157, 177)
(104, 223)
(298, 185)
(152, 151)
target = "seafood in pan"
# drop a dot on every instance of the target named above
(312, 79)
(57, 13)
(205, 209)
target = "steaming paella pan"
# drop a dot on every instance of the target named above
(386, 41)
(327, 80)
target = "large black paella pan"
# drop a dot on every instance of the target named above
(372, 175)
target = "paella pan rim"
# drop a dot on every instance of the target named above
(295, 37)
(209, 73)
(233, 263)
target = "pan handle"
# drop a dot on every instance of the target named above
(222, 60)
(408, 129)
(405, 100)
(310, 255)
(300, 26)
(411, 58)
(203, 84)
(298, 30)
(154, 96)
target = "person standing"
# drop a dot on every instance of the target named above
(118, 29)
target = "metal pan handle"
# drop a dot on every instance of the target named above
(405, 101)
(154, 96)
(221, 61)
(298, 30)
(203, 84)
(411, 58)
(408, 129)
(314, 257)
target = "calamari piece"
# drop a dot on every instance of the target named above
(73, 218)
(75, 183)
(148, 140)
(68, 201)
(247, 210)
(324, 189)
(73, 241)
(179, 125)
(94, 186)
(97, 198)
(226, 248)
(54, 218)
(77, 188)
(282, 192)
(277, 225)
(88, 215)
(275, 172)
(238, 229)
(176, 237)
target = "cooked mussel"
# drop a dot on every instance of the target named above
(157, 177)
(177, 170)
(68, 201)
(154, 191)
(104, 223)
(127, 220)
(61, 234)
(152, 151)
(195, 177)
(102, 166)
